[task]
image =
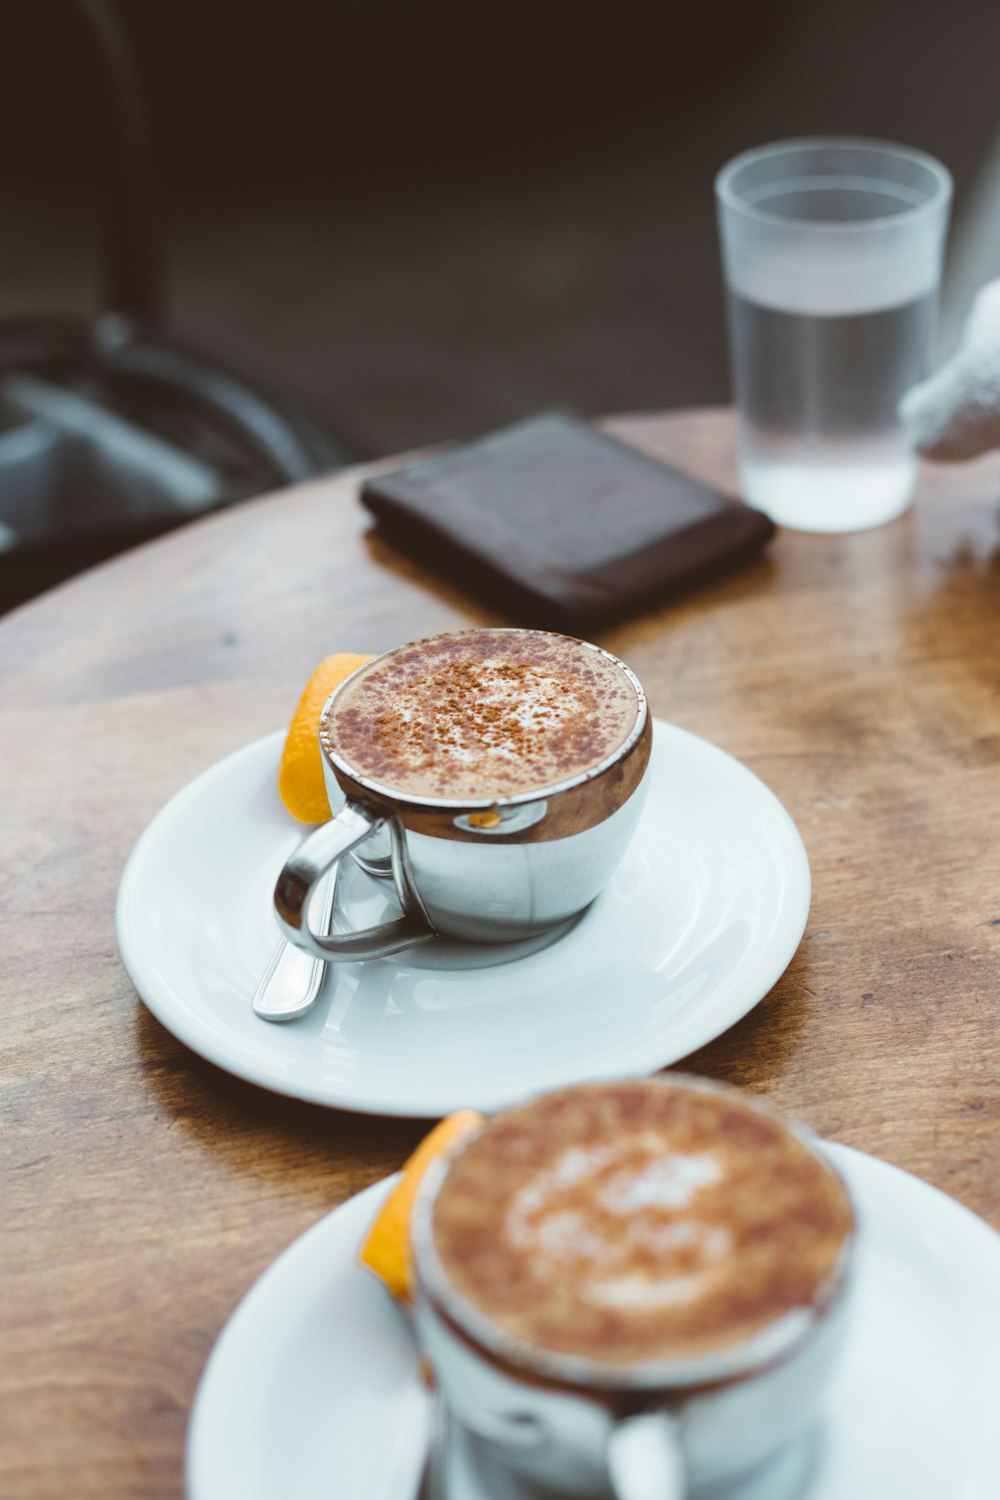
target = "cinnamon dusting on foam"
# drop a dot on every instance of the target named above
(483, 713)
(638, 1221)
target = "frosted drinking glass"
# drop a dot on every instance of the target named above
(832, 257)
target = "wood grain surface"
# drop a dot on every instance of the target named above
(144, 1190)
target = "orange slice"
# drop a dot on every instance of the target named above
(300, 775)
(386, 1251)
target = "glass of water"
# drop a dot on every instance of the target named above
(832, 256)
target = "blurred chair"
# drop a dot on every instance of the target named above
(110, 433)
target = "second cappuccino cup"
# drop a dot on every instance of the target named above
(496, 776)
(636, 1289)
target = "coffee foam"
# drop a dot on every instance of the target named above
(639, 1221)
(483, 714)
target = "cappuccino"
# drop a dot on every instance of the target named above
(482, 714)
(649, 1220)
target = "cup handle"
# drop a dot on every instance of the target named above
(645, 1458)
(310, 861)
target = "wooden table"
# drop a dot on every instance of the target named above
(144, 1190)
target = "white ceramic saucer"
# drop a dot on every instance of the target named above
(312, 1389)
(698, 923)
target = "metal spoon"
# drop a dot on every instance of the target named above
(434, 1476)
(293, 978)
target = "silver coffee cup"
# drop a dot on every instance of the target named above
(484, 869)
(691, 1428)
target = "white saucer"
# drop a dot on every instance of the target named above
(697, 924)
(312, 1389)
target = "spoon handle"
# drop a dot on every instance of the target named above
(291, 982)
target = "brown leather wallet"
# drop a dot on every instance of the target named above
(561, 527)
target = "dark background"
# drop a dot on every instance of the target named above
(429, 217)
